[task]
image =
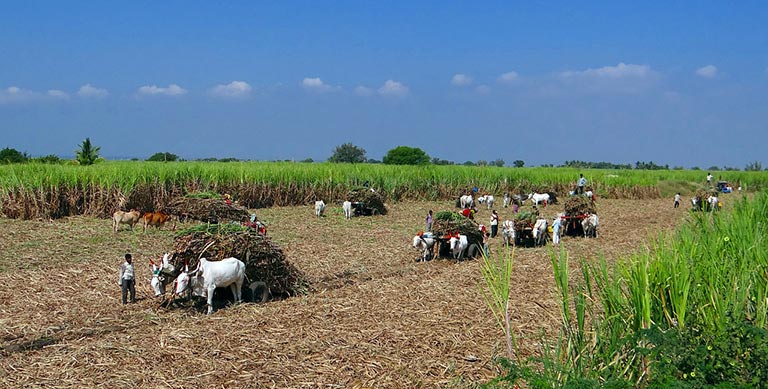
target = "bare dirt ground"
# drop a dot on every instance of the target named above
(376, 319)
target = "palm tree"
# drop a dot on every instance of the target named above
(88, 154)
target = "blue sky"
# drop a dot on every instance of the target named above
(682, 84)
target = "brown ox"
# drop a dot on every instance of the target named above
(156, 219)
(125, 217)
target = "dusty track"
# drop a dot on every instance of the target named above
(377, 318)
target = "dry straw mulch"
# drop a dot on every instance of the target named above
(385, 321)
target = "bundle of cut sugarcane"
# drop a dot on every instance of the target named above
(206, 209)
(264, 260)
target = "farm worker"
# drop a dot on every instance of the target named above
(709, 179)
(467, 212)
(581, 183)
(506, 199)
(429, 221)
(515, 207)
(127, 280)
(677, 200)
(486, 248)
(494, 224)
(556, 230)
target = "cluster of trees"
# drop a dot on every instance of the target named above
(402, 155)
(88, 154)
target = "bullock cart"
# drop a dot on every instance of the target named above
(577, 208)
(367, 202)
(448, 224)
(265, 263)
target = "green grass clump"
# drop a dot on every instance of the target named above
(692, 310)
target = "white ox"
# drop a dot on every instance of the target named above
(347, 207)
(508, 232)
(458, 245)
(467, 201)
(540, 232)
(215, 274)
(319, 208)
(589, 225)
(424, 244)
(158, 279)
(537, 198)
(487, 199)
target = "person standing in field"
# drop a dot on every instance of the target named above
(709, 179)
(581, 184)
(429, 221)
(677, 200)
(556, 222)
(127, 279)
(494, 223)
(506, 199)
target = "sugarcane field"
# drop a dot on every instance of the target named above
(327, 300)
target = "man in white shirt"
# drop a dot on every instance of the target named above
(581, 184)
(127, 279)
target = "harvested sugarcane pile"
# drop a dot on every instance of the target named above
(448, 222)
(579, 205)
(701, 197)
(525, 219)
(576, 209)
(206, 209)
(367, 201)
(264, 260)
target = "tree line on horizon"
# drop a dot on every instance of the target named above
(88, 154)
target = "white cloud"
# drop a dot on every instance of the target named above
(508, 77)
(622, 78)
(393, 89)
(316, 84)
(57, 94)
(483, 89)
(461, 80)
(14, 94)
(363, 91)
(89, 91)
(234, 89)
(709, 71)
(621, 70)
(171, 90)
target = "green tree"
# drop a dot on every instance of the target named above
(88, 153)
(163, 157)
(404, 155)
(348, 153)
(498, 162)
(754, 166)
(518, 163)
(50, 158)
(9, 155)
